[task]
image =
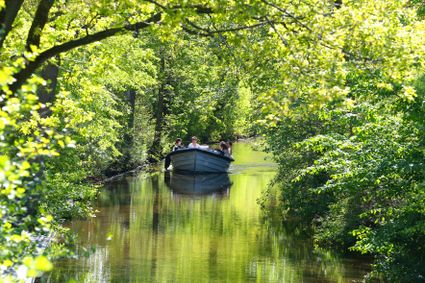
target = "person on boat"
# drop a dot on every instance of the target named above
(178, 145)
(229, 145)
(224, 149)
(194, 143)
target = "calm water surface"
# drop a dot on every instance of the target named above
(172, 228)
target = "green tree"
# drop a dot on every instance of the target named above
(340, 127)
(333, 85)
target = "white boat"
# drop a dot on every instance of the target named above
(199, 160)
(198, 184)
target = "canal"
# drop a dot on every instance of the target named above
(165, 227)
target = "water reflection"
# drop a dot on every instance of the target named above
(198, 184)
(148, 230)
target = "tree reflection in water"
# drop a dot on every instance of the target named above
(166, 229)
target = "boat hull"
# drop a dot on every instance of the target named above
(198, 160)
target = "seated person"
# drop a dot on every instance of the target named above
(229, 143)
(178, 145)
(194, 143)
(224, 148)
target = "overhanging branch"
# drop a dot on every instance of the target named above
(211, 32)
(23, 75)
(199, 9)
(284, 41)
(287, 14)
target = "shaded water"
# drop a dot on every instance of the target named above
(171, 228)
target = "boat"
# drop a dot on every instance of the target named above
(198, 184)
(199, 160)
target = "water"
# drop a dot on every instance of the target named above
(162, 228)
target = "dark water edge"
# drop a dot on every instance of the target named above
(163, 227)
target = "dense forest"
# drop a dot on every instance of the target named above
(90, 89)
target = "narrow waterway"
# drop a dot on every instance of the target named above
(173, 228)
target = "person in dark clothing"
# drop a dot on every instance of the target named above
(177, 146)
(229, 144)
(224, 148)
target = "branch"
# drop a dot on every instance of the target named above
(40, 19)
(23, 75)
(277, 32)
(193, 32)
(88, 25)
(286, 13)
(7, 17)
(212, 32)
(200, 9)
(157, 4)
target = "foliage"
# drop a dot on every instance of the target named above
(24, 146)
(334, 86)
(203, 92)
(94, 115)
(350, 142)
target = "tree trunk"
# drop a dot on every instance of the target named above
(40, 19)
(47, 94)
(132, 102)
(155, 150)
(128, 138)
(7, 17)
